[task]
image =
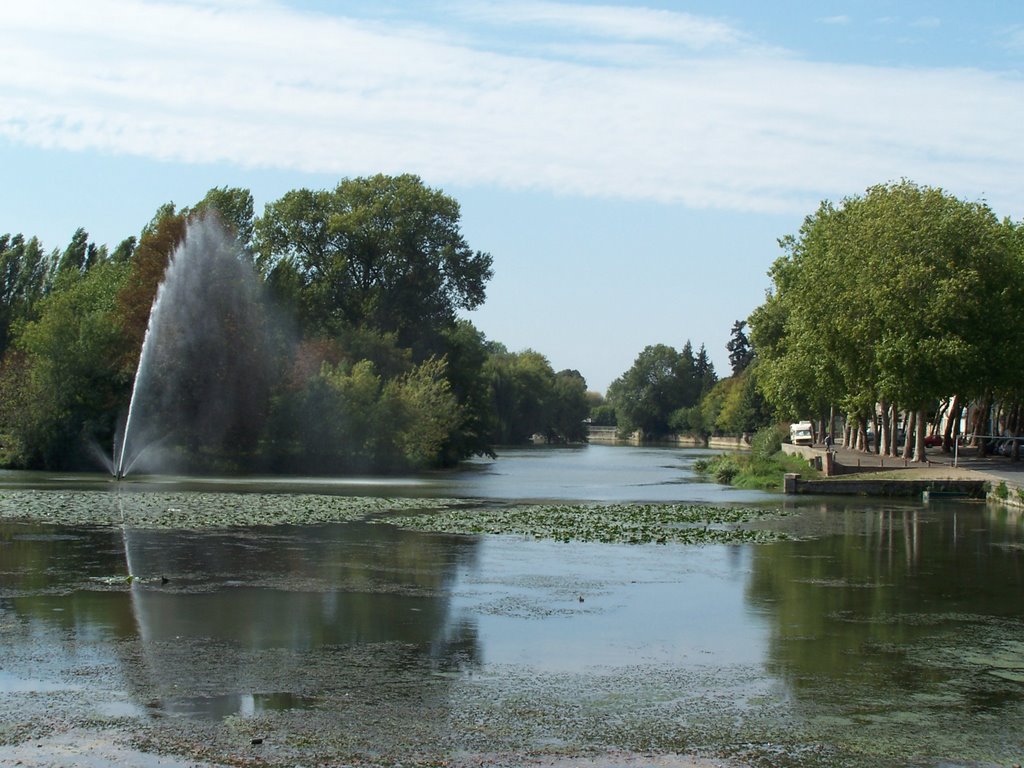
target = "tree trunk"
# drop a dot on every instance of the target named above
(983, 425)
(1015, 449)
(894, 418)
(919, 447)
(952, 422)
(909, 421)
(885, 436)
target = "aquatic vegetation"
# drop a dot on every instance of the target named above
(609, 523)
(752, 470)
(195, 510)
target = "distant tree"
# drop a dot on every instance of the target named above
(75, 257)
(570, 408)
(124, 250)
(147, 266)
(660, 382)
(740, 352)
(465, 350)
(424, 414)
(602, 413)
(704, 370)
(521, 385)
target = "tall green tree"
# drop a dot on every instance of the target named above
(23, 281)
(659, 383)
(888, 299)
(384, 252)
(233, 207)
(521, 385)
(570, 407)
(741, 353)
(64, 388)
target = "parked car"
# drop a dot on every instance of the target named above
(932, 441)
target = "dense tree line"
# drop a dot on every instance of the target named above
(892, 305)
(372, 368)
(678, 392)
(890, 314)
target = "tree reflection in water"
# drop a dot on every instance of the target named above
(231, 622)
(908, 618)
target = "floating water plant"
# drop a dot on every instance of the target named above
(609, 523)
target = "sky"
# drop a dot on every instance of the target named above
(629, 166)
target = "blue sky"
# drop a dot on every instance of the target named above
(629, 165)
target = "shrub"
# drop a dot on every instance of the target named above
(766, 442)
(726, 470)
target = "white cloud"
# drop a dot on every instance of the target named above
(611, 21)
(840, 20)
(256, 84)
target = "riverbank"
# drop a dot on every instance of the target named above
(856, 473)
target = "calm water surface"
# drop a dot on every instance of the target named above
(887, 633)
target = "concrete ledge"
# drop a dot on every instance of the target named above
(975, 489)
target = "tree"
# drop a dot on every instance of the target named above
(740, 352)
(704, 371)
(233, 207)
(465, 350)
(384, 252)
(570, 408)
(521, 385)
(147, 265)
(23, 282)
(66, 388)
(660, 382)
(888, 299)
(426, 412)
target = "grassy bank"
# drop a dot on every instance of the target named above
(762, 468)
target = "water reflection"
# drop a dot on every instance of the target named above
(594, 473)
(890, 629)
(911, 617)
(589, 473)
(231, 622)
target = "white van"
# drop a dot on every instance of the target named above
(801, 433)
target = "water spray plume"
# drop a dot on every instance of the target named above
(204, 363)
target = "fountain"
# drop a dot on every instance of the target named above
(205, 367)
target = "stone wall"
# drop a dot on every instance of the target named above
(905, 488)
(609, 436)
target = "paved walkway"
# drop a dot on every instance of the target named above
(968, 462)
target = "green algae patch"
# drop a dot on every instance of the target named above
(605, 523)
(198, 511)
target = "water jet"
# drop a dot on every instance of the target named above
(204, 367)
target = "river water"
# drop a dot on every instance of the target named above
(880, 633)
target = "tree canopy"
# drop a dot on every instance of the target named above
(660, 382)
(901, 296)
(362, 362)
(383, 252)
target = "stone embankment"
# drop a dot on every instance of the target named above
(609, 436)
(848, 472)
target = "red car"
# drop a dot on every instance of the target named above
(931, 441)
